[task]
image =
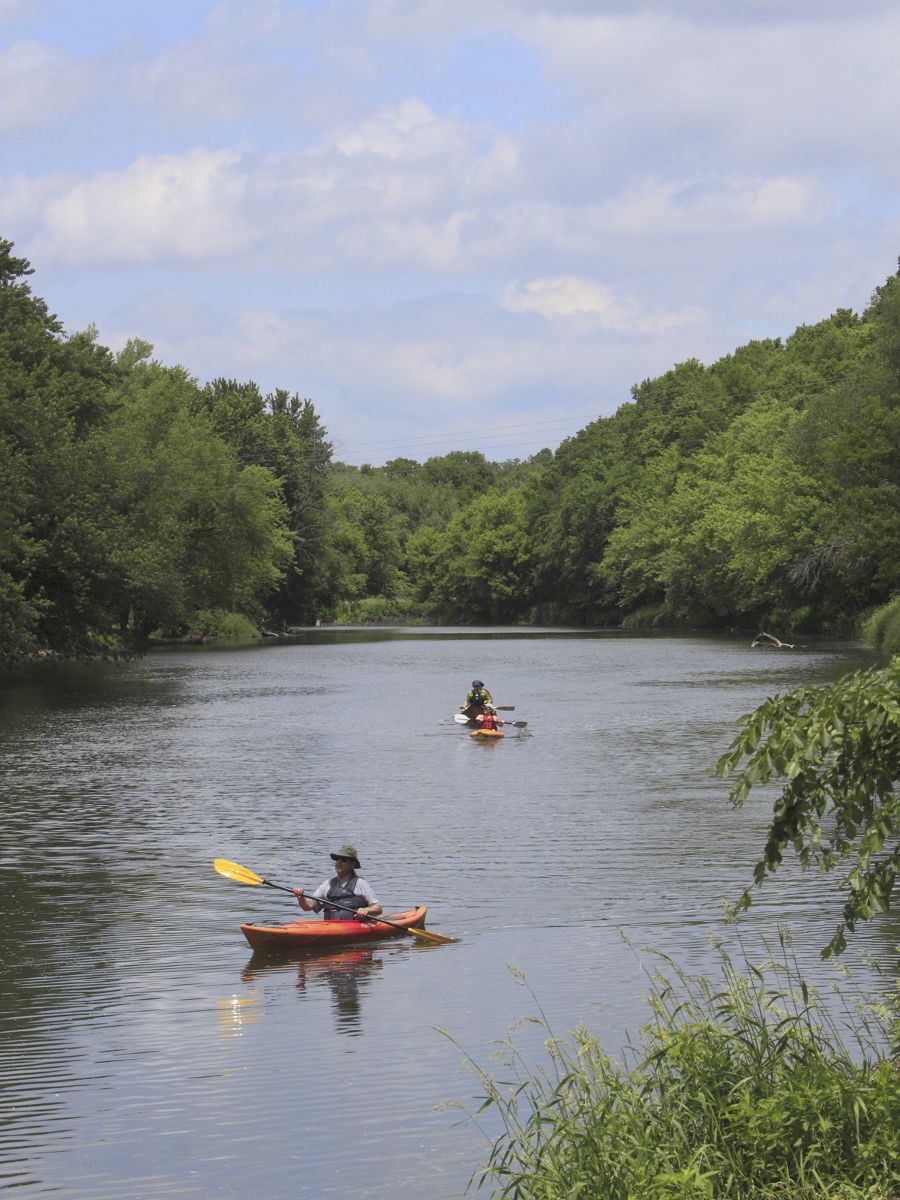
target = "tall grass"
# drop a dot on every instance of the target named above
(745, 1090)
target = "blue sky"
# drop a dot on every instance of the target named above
(452, 225)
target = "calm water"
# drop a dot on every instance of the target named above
(147, 1053)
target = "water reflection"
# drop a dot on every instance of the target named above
(348, 973)
(237, 1012)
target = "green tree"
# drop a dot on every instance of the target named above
(466, 471)
(849, 440)
(838, 749)
(175, 524)
(367, 535)
(479, 567)
(283, 433)
(54, 391)
(715, 537)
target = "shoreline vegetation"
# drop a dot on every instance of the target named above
(758, 492)
(748, 1089)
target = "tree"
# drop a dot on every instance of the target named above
(465, 470)
(479, 567)
(364, 533)
(54, 391)
(282, 432)
(838, 748)
(173, 523)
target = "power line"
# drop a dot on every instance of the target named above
(557, 422)
(511, 431)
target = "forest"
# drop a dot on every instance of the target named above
(761, 491)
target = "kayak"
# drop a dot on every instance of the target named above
(486, 733)
(312, 932)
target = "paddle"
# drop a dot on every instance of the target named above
(462, 719)
(244, 875)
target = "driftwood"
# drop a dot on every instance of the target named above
(758, 641)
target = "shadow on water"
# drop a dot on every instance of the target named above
(348, 973)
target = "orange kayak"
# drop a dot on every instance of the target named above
(313, 931)
(486, 733)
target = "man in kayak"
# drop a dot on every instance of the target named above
(346, 889)
(489, 719)
(477, 700)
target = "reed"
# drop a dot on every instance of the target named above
(745, 1090)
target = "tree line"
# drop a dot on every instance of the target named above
(761, 490)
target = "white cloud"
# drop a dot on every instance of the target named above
(708, 205)
(566, 296)
(403, 187)
(223, 74)
(163, 206)
(38, 85)
(409, 131)
(669, 84)
(596, 304)
(22, 199)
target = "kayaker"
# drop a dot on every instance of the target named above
(345, 888)
(477, 700)
(489, 719)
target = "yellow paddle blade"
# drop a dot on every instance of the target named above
(236, 872)
(425, 935)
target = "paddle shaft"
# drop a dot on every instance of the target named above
(466, 721)
(334, 904)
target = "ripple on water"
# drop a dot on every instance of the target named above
(147, 1052)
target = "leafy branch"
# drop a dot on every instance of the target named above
(838, 749)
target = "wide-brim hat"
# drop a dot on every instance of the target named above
(347, 852)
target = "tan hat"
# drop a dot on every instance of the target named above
(347, 851)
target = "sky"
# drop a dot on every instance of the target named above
(451, 224)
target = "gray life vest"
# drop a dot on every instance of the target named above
(342, 893)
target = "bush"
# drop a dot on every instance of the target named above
(379, 610)
(215, 624)
(745, 1092)
(881, 628)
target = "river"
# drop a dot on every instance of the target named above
(147, 1053)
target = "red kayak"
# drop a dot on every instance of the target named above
(313, 932)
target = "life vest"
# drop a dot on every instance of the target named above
(342, 893)
(487, 721)
(475, 702)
